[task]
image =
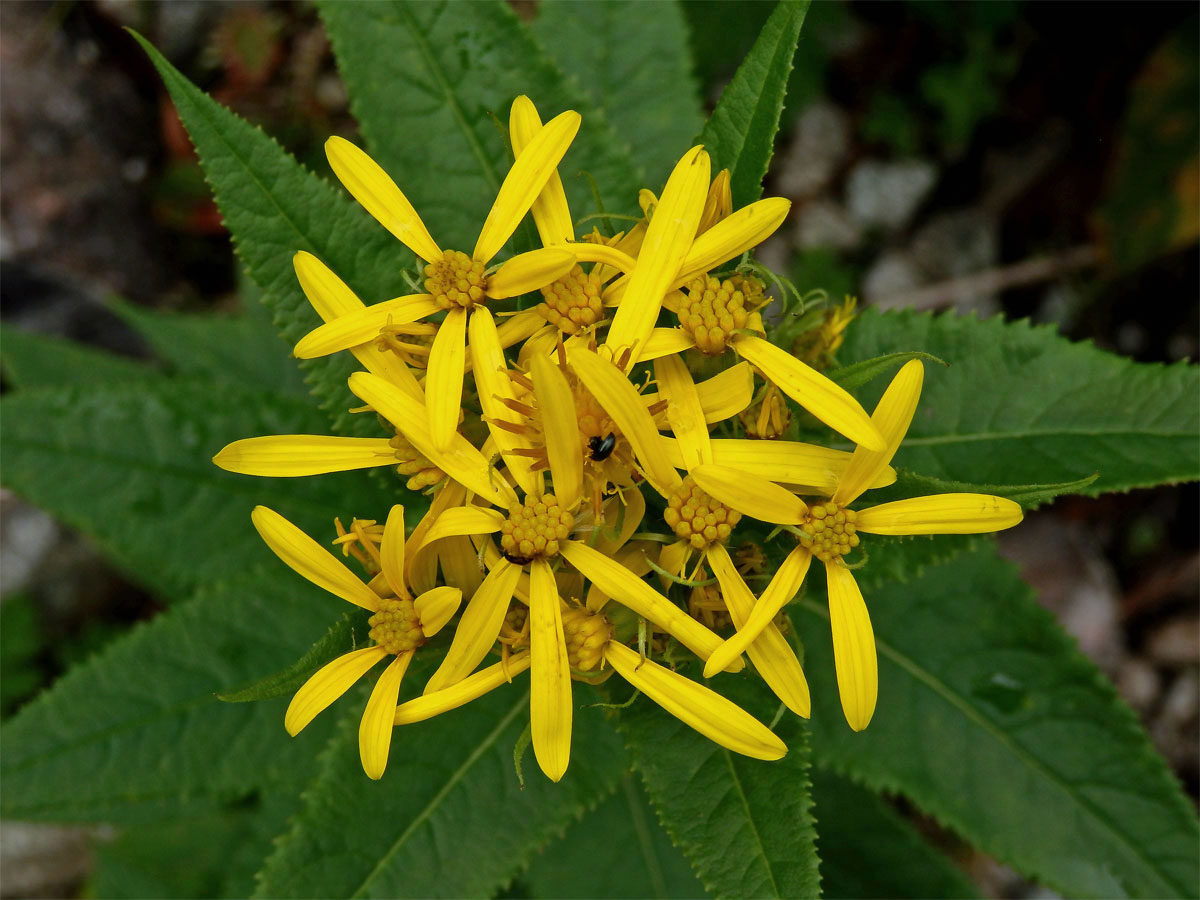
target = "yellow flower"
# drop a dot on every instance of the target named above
(589, 646)
(455, 283)
(400, 624)
(830, 530)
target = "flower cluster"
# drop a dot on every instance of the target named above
(587, 477)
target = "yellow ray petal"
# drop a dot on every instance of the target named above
(444, 378)
(810, 389)
(756, 497)
(494, 387)
(375, 729)
(310, 560)
(550, 676)
(719, 203)
(634, 558)
(892, 417)
(674, 558)
(292, 455)
(561, 427)
(530, 271)
(464, 520)
(770, 652)
(436, 607)
(732, 236)
(941, 514)
(478, 627)
(623, 518)
(668, 238)
(727, 393)
(550, 211)
(586, 251)
(783, 587)
(421, 573)
(327, 684)
(630, 591)
(363, 325)
(462, 692)
(460, 564)
(716, 718)
(331, 298)
(379, 196)
(515, 329)
(665, 342)
(786, 462)
(684, 411)
(853, 647)
(529, 173)
(462, 462)
(391, 551)
(620, 400)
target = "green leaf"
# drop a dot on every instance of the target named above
(740, 134)
(910, 484)
(860, 373)
(633, 62)
(21, 643)
(992, 721)
(242, 349)
(431, 85)
(340, 638)
(448, 818)
(617, 850)
(1022, 405)
(137, 729)
(222, 850)
(130, 464)
(869, 850)
(274, 207)
(745, 825)
(37, 360)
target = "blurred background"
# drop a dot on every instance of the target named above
(994, 158)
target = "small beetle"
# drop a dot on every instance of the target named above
(602, 448)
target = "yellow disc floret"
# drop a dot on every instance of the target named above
(586, 634)
(573, 302)
(456, 280)
(697, 518)
(396, 627)
(768, 417)
(829, 531)
(711, 312)
(534, 529)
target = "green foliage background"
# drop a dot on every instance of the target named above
(989, 719)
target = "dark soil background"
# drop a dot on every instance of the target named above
(1029, 159)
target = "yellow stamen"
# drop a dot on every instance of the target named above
(396, 627)
(829, 532)
(573, 302)
(712, 312)
(586, 635)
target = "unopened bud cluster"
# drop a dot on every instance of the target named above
(534, 529)
(422, 473)
(697, 518)
(396, 627)
(586, 635)
(829, 531)
(573, 301)
(456, 280)
(711, 312)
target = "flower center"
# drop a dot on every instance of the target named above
(573, 302)
(396, 627)
(456, 280)
(829, 531)
(534, 529)
(697, 518)
(712, 311)
(586, 634)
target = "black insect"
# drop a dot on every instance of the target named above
(602, 448)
